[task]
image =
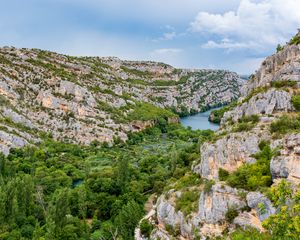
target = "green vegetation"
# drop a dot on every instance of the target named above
(285, 124)
(280, 193)
(279, 48)
(254, 176)
(218, 114)
(208, 185)
(285, 223)
(284, 83)
(249, 234)
(188, 202)
(295, 40)
(223, 174)
(57, 71)
(146, 111)
(246, 123)
(164, 83)
(296, 102)
(255, 92)
(132, 71)
(231, 214)
(146, 228)
(66, 191)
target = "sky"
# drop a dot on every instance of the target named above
(220, 34)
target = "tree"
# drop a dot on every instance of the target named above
(128, 219)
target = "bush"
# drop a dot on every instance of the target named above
(285, 223)
(285, 124)
(253, 176)
(284, 83)
(208, 185)
(243, 127)
(246, 123)
(279, 48)
(223, 174)
(146, 228)
(296, 102)
(231, 214)
(187, 202)
(295, 40)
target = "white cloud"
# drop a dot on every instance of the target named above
(164, 51)
(230, 45)
(169, 35)
(255, 24)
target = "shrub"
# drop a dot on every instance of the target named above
(231, 214)
(285, 124)
(146, 228)
(285, 223)
(243, 127)
(187, 202)
(296, 102)
(253, 176)
(246, 123)
(208, 185)
(284, 83)
(223, 174)
(295, 40)
(279, 48)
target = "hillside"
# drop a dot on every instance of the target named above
(86, 99)
(245, 183)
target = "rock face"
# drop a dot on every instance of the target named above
(228, 153)
(167, 215)
(89, 98)
(214, 204)
(262, 205)
(283, 65)
(263, 103)
(287, 164)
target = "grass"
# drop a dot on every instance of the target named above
(296, 102)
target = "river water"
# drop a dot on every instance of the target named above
(199, 121)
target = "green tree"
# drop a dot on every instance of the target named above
(128, 219)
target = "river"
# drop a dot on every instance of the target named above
(199, 121)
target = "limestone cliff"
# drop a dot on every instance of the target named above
(82, 99)
(264, 114)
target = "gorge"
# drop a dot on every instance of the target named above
(92, 148)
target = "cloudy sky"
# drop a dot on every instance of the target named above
(225, 34)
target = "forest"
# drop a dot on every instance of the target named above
(65, 191)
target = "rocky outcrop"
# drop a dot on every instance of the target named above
(263, 103)
(214, 204)
(262, 205)
(10, 140)
(284, 65)
(167, 215)
(287, 164)
(248, 219)
(228, 153)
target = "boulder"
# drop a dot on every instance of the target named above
(262, 205)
